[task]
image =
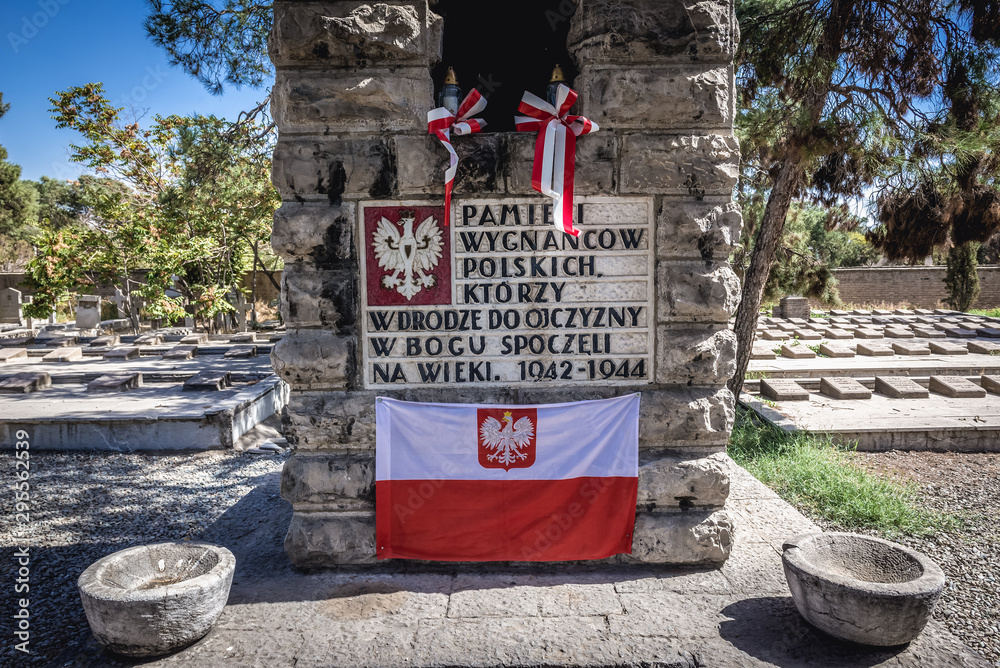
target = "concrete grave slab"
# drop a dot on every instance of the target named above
(25, 382)
(881, 311)
(900, 387)
(195, 339)
(61, 340)
(796, 352)
(774, 335)
(124, 353)
(897, 333)
(70, 354)
(883, 320)
(762, 352)
(903, 311)
(241, 352)
(839, 312)
(988, 332)
(808, 335)
(836, 350)
(843, 388)
(13, 354)
(182, 352)
(244, 337)
(990, 383)
(149, 339)
(983, 347)
(867, 334)
(875, 349)
(928, 333)
(109, 341)
(837, 333)
(786, 326)
(961, 333)
(956, 386)
(211, 380)
(910, 348)
(780, 389)
(117, 382)
(859, 311)
(947, 348)
(923, 311)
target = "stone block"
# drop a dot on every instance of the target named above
(988, 332)
(762, 352)
(797, 352)
(897, 333)
(115, 382)
(332, 480)
(643, 31)
(656, 97)
(787, 327)
(990, 383)
(321, 420)
(320, 299)
(843, 388)
(676, 481)
(960, 333)
(705, 230)
(928, 333)
(596, 163)
(774, 335)
(875, 349)
(325, 539)
(354, 34)
(881, 312)
(422, 162)
(837, 333)
(123, 353)
(900, 387)
(956, 387)
(13, 354)
(909, 348)
(781, 389)
(241, 352)
(836, 350)
(696, 291)
(25, 382)
(88, 311)
(947, 348)
(705, 356)
(69, 354)
(106, 341)
(60, 341)
(196, 339)
(807, 335)
(149, 340)
(334, 169)
(313, 359)
(794, 308)
(983, 347)
(181, 353)
(320, 234)
(865, 333)
(209, 380)
(693, 165)
(244, 337)
(689, 538)
(339, 101)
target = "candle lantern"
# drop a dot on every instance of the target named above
(450, 94)
(557, 78)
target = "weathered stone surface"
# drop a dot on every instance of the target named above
(837, 333)
(354, 34)
(843, 388)
(181, 353)
(312, 359)
(209, 380)
(649, 31)
(123, 353)
(689, 538)
(836, 350)
(990, 383)
(241, 352)
(983, 347)
(367, 100)
(797, 352)
(101, 341)
(25, 382)
(696, 291)
(334, 169)
(908, 348)
(686, 229)
(695, 165)
(928, 333)
(656, 98)
(762, 351)
(780, 389)
(319, 299)
(947, 348)
(422, 162)
(807, 335)
(13, 354)
(70, 354)
(88, 311)
(865, 333)
(198, 338)
(596, 163)
(115, 382)
(324, 539)
(956, 386)
(321, 234)
(900, 387)
(331, 480)
(774, 335)
(676, 481)
(875, 349)
(960, 333)
(704, 356)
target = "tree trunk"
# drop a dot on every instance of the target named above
(771, 226)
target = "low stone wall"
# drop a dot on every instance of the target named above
(921, 287)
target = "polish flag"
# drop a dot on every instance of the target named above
(552, 482)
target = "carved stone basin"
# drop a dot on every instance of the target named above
(863, 589)
(153, 599)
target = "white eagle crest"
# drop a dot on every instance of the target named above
(508, 440)
(408, 255)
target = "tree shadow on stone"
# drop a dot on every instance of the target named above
(772, 630)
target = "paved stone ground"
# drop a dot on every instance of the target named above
(553, 616)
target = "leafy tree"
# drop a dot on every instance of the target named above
(830, 92)
(962, 279)
(191, 204)
(18, 201)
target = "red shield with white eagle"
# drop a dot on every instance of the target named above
(507, 437)
(407, 256)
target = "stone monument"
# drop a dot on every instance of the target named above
(10, 306)
(88, 312)
(506, 308)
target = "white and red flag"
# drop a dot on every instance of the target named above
(552, 482)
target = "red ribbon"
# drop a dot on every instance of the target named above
(554, 170)
(441, 123)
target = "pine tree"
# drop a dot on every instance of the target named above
(962, 279)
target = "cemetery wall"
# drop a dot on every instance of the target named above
(921, 287)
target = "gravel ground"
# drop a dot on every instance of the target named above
(966, 486)
(88, 505)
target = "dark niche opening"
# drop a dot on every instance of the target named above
(503, 49)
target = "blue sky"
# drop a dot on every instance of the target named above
(51, 45)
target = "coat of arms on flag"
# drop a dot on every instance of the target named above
(553, 482)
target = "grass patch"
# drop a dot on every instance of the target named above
(986, 312)
(821, 479)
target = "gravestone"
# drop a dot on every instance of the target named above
(947, 348)
(900, 387)
(88, 312)
(25, 382)
(115, 382)
(956, 386)
(10, 306)
(781, 389)
(843, 388)
(506, 309)
(837, 350)
(794, 307)
(983, 347)
(798, 352)
(910, 348)
(68, 354)
(878, 349)
(13, 354)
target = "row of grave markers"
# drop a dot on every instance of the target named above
(896, 387)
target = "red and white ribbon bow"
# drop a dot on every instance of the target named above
(555, 149)
(441, 123)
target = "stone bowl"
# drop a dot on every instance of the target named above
(154, 599)
(863, 589)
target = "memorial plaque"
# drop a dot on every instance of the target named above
(209, 381)
(181, 353)
(124, 353)
(960, 333)
(837, 333)
(991, 383)
(983, 347)
(798, 352)
(875, 349)
(241, 352)
(836, 350)
(988, 332)
(947, 348)
(762, 352)
(957, 387)
(808, 335)
(786, 326)
(502, 296)
(863, 333)
(195, 339)
(106, 341)
(898, 333)
(843, 388)
(774, 335)
(910, 348)
(900, 387)
(928, 333)
(780, 389)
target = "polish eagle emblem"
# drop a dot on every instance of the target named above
(506, 441)
(408, 256)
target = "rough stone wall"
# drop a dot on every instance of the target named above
(352, 91)
(921, 287)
